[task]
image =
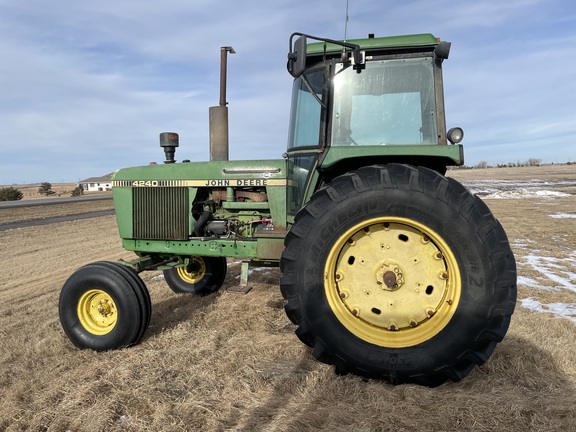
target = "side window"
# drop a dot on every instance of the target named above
(299, 170)
(305, 114)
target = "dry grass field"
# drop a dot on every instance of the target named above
(232, 362)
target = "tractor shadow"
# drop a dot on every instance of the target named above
(520, 387)
(170, 312)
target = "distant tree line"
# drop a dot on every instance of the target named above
(13, 194)
(532, 162)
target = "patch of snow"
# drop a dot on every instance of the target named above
(157, 277)
(522, 243)
(561, 310)
(560, 271)
(551, 269)
(123, 421)
(485, 187)
(525, 193)
(528, 282)
(563, 216)
(261, 270)
(508, 189)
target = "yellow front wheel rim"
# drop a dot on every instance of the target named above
(197, 271)
(97, 312)
(392, 282)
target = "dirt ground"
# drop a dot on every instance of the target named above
(232, 362)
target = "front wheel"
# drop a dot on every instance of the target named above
(104, 306)
(399, 273)
(202, 275)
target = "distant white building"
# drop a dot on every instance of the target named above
(97, 184)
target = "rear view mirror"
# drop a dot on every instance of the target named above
(297, 57)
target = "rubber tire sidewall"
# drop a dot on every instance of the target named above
(140, 290)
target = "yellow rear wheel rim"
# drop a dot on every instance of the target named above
(197, 272)
(97, 312)
(392, 282)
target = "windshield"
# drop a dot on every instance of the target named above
(388, 102)
(306, 111)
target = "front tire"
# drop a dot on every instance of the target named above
(203, 276)
(399, 273)
(104, 306)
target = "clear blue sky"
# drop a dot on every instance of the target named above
(87, 86)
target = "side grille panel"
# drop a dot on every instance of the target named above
(160, 213)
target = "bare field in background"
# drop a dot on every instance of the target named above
(544, 172)
(232, 362)
(8, 215)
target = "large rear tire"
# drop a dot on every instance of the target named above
(399, 273)
(104, 306)
(204, 275)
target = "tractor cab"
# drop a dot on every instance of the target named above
(377, 98)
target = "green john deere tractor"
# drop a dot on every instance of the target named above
(389, 269)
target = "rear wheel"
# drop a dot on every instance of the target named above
(104, 306)
(399, 273)
(202, 276)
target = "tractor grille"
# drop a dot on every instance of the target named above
(160, 213)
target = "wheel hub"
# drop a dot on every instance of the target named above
(390, 276)
(104, 308)
(97, 312)
(193, 271)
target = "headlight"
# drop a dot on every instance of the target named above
(455, 135)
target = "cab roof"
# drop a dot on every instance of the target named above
(369, 44)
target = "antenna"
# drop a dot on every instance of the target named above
(346, 23)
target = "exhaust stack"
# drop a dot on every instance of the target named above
(219, 114)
